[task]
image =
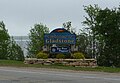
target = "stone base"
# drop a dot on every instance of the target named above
(67, 62)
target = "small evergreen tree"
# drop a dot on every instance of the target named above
(4, 41)
(8, 48)
(36, 37)
(15, 51)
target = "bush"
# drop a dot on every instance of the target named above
(78, 55)
(67, 56)
(42, 55)
(60, 56)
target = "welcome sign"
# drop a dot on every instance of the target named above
(59, 39)
(60, 36)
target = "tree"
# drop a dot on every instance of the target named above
(91, 23)
(105, 27)
(84, 43)
(36, 37)
(4, 41)
(8, 48)
(68, 26)
(15, 51)
(108, 29)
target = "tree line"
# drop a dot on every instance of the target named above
(99, 38)
(104, 28)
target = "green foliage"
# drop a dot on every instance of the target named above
(4, 41)
(67, 55)
(105, 27)
(42, 55)
(60, 56)
(8, 47)
(90, 24)
(68, 26)
(78, 55)
(15, 51)
(109, 30)
(36, 37)
(84, 44)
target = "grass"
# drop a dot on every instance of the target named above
(12, 63)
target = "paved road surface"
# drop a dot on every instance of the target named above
(37, 75)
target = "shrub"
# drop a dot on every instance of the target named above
(78, 55)
(60, 56)
(42, 55)
(67, 56)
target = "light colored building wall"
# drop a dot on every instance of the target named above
(22, 42)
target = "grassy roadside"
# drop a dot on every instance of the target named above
(12, 63)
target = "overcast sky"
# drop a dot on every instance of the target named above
(20, 15)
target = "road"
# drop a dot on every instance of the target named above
(38, 75)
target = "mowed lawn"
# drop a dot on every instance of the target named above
(12, 63)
